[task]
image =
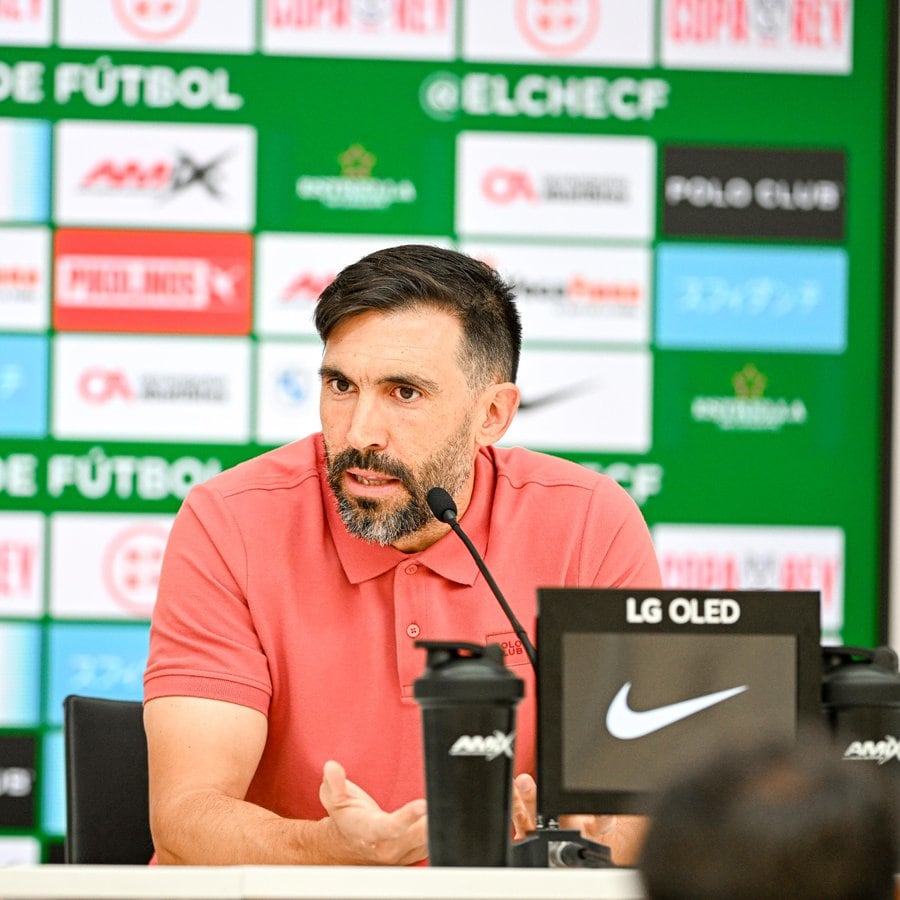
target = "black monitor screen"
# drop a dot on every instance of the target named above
(633, 683)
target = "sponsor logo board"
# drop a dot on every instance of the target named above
(23, 385)
(575, 293)
(758, 298)
(53, 783)
(591, 32)
(722, 191)
(105, 566)
(24, 170)
(178, 389)
(170, 175)
(205, 25)
(388, 29)
(20, 659)
(21, 564)
(555, 185)
(780, 36)
(96, 660)
(748, 409)
(180, 282)
(18, 776)
(24, 279)
(293, 269)
(756, 557)
(288, 384)
(19, 851)
(26, 23)
(584, 400)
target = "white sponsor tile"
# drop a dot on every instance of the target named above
(756, 557)
(105, 566)
(19, 851)
(156, 388)
(21, 564)
(26, 23)
(788, 36)
(588, 32)
(288, 385)
(551, 185)
(159, 174)
(222, 25)
(388, 29)
(575, 293)
(293, 269)
(24, 279)
(584, 400)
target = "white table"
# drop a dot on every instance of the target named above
(58, 882)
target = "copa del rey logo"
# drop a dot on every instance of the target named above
(155, 20)
(775, 35)
(558, 27)
(142, 281)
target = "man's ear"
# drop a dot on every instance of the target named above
(498, 405)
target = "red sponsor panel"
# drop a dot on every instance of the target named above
(152, 281)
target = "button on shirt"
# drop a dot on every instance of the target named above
(267, 601)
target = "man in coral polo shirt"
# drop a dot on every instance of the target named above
(278, 693)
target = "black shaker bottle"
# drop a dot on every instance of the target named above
(468, 699)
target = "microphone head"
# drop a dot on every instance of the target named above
(441, 505)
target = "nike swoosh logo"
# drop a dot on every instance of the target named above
(627, 724)
(549, 398)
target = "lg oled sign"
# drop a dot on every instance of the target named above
(152, 281)
(178, 176)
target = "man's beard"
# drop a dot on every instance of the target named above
(382, 522)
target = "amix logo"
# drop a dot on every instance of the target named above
(748, 192)
(489, 746)
(874, 751)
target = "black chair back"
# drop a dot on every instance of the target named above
(107, 809)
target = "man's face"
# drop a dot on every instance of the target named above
(397, 416)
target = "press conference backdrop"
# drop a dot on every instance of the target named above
(688, 195)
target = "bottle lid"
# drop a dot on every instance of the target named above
(460, 671)
(856, 676)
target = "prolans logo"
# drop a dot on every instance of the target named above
(223, 25)
(184, 282)
(725, 191)
(24, 278)
(756, 557)
(182, 176)
(553, 185)
(288, 384)
(355, 188)
(765, 35)
(749, 409)
(577, 399)
(591, 32)
(407, 29)
(21, 564)
(576, 293)
(293, 269)
(175, 388)
(106, 566)
(26, 22)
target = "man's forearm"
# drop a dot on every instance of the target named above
(205, 828)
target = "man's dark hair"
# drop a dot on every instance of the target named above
(773, 821)
(415, 276)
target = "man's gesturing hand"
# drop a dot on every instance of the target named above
(363, 832)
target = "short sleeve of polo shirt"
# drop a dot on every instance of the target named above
(203, 642)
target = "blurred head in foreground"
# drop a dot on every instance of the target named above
(773, 821)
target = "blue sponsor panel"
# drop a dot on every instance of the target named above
(20, 674)
(102, 660)
(25, 185)
(23, 385)
(53, 784)
(717, 297)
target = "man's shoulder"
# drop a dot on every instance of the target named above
(283, 468)
(521, 468)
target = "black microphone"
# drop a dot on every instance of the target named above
(444, 510)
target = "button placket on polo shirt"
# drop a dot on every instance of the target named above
(411, 584)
